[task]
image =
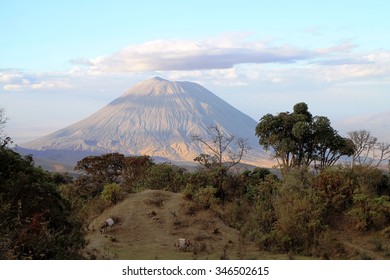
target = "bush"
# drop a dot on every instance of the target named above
(336, 188)
(371, 180)
(164, 176)
(262, 218)
(370, 213)
(37, 221)
(206, 196)
(112, 193)
(286, 216)
(300, 220)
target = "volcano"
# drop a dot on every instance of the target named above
(155, 117)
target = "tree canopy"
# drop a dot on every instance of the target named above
(299, 139)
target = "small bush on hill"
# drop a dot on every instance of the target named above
(112, 193)
(206, 196)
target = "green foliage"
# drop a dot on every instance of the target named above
(164, 176)
(293, 215)
(371, 180)
(298, 138)
(112, 193)
(370, 213)
(195, 181)
(336, 188)
(97, 171)
(36, 221)
(206, 196)
(258, 174)
(262, 218)
(135, 170)
(300, 214)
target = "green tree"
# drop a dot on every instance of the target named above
(102, 169)
(299, 139)
(35, 220)
(135, 169)
(98, 171)
(328, 145)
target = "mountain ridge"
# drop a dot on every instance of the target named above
(155, 117)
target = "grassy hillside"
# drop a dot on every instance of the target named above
(150, 222)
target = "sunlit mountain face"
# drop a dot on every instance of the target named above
(155, 117)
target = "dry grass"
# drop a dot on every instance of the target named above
(150, 222)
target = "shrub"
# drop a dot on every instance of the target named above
(112, 193)
(336, 188)
(206, 196)
(135, 170)
(370, 212)
(37, 221)
(261, 220)
(287, 216)
(164, 176)
(299, 220)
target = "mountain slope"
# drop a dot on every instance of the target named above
(158, 118)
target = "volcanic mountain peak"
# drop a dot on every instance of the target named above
(157, 86)
(156, 117)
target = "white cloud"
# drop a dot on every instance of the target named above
(185, 55)
(355, 67)
(12, 87)
(230, 60)
(8, 77)
(13, 80)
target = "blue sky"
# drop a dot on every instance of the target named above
(62, 60)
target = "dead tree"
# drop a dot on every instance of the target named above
(224, 149)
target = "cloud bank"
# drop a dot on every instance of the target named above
(166, 55)
(17, 80)
(230, 60)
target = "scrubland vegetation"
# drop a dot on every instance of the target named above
(308, 210)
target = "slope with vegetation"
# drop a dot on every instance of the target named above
(35, 220)
(335, 211)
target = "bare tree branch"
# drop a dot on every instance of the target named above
(225, 149)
